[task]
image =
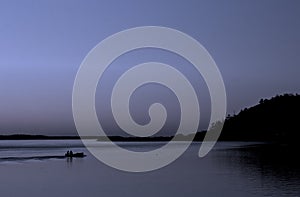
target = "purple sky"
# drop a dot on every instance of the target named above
(255, 44)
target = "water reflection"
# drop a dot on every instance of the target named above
(69, 159)
(273, 169)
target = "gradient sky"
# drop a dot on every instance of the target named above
(256, 45)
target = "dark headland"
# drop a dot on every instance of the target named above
(274, 120)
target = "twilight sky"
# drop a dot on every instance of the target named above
(256, 45)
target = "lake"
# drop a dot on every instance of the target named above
(230, 169)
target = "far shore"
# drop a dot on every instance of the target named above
(112, 138)
(180, 138)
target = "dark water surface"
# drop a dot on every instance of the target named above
(231, 169)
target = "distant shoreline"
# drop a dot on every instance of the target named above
(36, 137)
(179, 138)
(112, 138)
(272, 120)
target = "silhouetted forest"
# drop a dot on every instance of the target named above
(274, 119)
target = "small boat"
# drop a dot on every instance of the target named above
(71, 154)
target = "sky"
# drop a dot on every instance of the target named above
(255, 44)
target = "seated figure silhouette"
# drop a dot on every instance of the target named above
(69, 153)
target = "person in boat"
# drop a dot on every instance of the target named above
(69, 154)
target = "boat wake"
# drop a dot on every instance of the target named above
(31, 158)
(76, 155)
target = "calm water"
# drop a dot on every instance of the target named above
(231, 169)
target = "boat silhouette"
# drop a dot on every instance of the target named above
(71, 154)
